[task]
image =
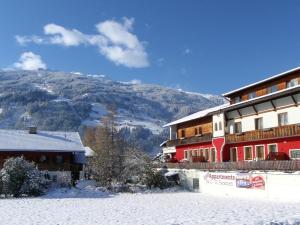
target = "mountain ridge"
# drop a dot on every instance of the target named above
(55, 100)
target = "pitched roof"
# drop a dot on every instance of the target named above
(262, 81)
(197, 115)
(44, 141)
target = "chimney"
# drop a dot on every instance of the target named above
(32, 130)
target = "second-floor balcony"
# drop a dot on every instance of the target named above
(190, 140)
(264, 134)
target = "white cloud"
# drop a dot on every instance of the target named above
(23, 40)
(61, 36)
(114, 40)
(30, 61)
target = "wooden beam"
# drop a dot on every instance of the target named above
(255, 110)
(273, 105)
(239, 112)
(294, 100)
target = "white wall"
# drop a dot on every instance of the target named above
(277, 185)
(173, 133)
(270, 119)
(218, 117)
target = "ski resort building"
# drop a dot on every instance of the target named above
(61, 154)
(260, 122)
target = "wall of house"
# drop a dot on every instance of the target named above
(190, 148)
(261, 89)
(218, 119)
(173, 132)
(205, 125)
(270, 185)
(50, 163)
(270, 119)
(284, 145)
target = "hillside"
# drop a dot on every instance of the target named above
(69, 101)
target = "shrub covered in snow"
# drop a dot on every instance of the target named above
(20, 177)
(155, 179)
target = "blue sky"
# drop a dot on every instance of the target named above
(202, 46)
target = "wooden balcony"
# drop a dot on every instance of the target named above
(270, 133)
(286, 165)
(190, 140)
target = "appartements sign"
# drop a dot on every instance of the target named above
(236, 180)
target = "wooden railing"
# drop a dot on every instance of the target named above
(287, 165)
(190, 140)
(275, 132)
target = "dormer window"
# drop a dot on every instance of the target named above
(252, 95)
(292, 83)
(272, 89)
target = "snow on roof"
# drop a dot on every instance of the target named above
(197, 115)
(89, 152)
(262, 81)
(21, 140)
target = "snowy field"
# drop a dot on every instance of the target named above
(84, 207)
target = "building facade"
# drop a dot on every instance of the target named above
(261, 121)
(61, 154)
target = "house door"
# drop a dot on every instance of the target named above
(233, 154)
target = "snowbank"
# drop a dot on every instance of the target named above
(76, 207)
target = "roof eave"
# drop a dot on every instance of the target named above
(260, 82)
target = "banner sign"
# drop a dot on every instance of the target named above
(236, 180)
(252, 181)
(220, 178)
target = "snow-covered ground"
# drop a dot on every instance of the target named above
(94, 207)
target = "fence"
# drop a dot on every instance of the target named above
(287, 165)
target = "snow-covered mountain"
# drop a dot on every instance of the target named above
(67, 101)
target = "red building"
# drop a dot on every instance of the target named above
(261, 121)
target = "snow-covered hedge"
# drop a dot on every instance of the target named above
(20, 177)
(155, 179)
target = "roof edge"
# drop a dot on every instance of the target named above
(262, 81)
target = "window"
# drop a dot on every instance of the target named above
(238, 127)
(195, 152)
(282, 119)
(260, 152)
(183, 133)
(200, 130)
(258, 123)
(216, 126)
(185, 154)
(43, 159)
(220, 126)
(252, 95)
(237, 99)
(292, 83)
(206, 152)
(212, 154)
(196, 131)
(295, 154)
(233, 154)
(248, 153)
(272, 89)
(201, 152)
(59, 159)
(272, 148)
